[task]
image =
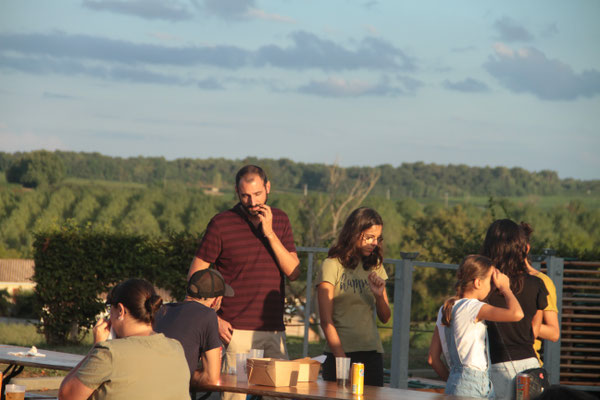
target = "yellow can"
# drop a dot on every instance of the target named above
(358, 378)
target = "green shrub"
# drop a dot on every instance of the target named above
(76, 265)
(24, 305)
(5, 303)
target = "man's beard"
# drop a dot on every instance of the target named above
(254, 213)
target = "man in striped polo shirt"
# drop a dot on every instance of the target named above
(252, 246)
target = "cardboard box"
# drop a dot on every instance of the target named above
(272, 372)
(309, 369)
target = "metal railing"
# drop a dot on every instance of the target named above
(403, 280)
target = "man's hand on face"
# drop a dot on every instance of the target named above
(265, 215)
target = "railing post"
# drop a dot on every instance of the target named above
(401, 329)
(307, 306)
(555, 271)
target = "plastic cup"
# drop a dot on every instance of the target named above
(240, 366)
(256, 353)
(342, 370)
(14, 392)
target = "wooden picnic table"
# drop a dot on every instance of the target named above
(322, 390)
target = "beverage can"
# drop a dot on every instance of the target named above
(523, 382)
(358, 378)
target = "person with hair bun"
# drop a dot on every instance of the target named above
(351, 289)
(460, 333)
(137, 363)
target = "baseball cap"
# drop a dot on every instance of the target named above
(208, 283)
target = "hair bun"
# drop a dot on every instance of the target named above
(153, 303)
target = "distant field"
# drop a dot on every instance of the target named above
(543, 202)
(100, 182)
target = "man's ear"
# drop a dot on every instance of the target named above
(216, 303)
(268, 187)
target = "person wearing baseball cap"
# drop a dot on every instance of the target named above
(193, 323)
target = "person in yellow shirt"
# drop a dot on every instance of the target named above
(550, 329)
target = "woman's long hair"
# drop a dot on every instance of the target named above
(506, 245)
(139, 297)
(471, 268)
(345, 248)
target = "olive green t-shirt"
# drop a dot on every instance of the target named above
(353, 305)
(137, 367)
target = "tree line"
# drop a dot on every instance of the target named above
(417, 180)
(439, 232)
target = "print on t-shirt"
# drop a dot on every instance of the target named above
(348, 283)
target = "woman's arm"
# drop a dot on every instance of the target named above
(549, 329)
(325, 298)
(536, 322)
(435, 355)
(513, 313)
(72, 388)
(382, 303)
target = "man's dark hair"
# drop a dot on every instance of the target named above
(250, 170)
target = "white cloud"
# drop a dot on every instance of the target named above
(503, 50)
(340, 87)
(260, 14)
(530, 70)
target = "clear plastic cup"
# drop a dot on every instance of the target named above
(14, 392)
(256, 353)
(342, 370)
(240, 366)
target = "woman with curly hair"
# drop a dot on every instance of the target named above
(350, 287)
(511, 343)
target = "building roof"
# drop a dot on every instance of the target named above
(16, 270)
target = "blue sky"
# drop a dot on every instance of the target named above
(508, 83)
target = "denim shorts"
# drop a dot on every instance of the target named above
(469, 382)
(503, 376)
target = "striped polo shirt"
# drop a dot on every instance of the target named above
(244, 257)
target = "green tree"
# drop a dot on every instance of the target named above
(36, 168)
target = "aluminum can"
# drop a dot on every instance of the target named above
(523, 383)
(358, 378)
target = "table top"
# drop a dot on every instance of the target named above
(322, 390)
(53, 359)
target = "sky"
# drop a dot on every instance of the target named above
(353, 82)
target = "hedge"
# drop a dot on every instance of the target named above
(75, 265)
